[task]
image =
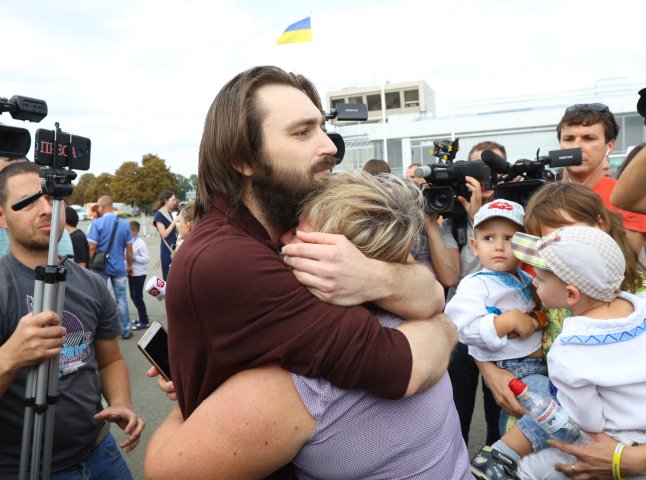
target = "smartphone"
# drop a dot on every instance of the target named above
(154, 345)
(73, 150)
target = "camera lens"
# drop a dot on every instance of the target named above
(440, 201)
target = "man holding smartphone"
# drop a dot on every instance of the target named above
(91, 365)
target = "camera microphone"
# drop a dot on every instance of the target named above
(495, 161)
(423, 171)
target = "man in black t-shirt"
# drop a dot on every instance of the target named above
(79, 240)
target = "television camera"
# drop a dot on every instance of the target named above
(446, 178)
(345, 112)
(518, 181)
(446, 182)
(15, 142)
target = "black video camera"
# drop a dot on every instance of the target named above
(447, 180)
(15, 142)
(53, 148)
(345, 112)
(521, 179)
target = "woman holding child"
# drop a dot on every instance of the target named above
(552, 207)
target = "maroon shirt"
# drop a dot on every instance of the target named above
(233, 304)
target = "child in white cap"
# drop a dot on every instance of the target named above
(490, 308)
(597, 363)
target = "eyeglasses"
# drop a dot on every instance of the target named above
(597, 107)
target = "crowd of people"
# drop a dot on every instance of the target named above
(334, 326)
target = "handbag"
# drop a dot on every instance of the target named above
(100, 258)
(170, 249)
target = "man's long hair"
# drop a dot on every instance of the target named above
(233, 135)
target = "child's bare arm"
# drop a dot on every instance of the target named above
(515, 323)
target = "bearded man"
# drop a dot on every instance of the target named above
(234, 303)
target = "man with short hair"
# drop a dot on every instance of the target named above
(64, 244)
(90, 362)
(79, 240)
(593, 128)
(115, 272)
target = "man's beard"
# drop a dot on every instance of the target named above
(31, 242)
(280, 192)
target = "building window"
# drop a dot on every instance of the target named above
(374, 102)
(334, 101)
(393, 100)
(355, 99)
(633, 130)
(411, 98)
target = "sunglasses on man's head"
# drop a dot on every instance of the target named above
(597, 107)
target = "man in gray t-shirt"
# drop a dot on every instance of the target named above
(91, 364)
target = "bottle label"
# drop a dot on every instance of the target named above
(552, 419)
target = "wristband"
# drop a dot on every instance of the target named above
(616, 461)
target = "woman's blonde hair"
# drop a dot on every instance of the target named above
(558, 204)
(187, 210)
(381, 214)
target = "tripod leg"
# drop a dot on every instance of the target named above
(28, 423)
(30, 391)
(52, 387)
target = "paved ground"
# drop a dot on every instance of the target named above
(153, 407)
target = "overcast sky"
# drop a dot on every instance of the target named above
(138, 76)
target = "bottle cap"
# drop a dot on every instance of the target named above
(517, 386)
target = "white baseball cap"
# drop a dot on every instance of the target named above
(501, 209)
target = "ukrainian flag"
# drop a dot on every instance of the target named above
(300, 31)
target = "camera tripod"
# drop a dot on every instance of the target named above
(41, 393)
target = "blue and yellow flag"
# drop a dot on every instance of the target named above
(300, 31)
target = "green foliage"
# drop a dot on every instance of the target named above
(133, 184)
(79, 194)
(99, 187)
(156, 177)
(184, 186)
(126, 185)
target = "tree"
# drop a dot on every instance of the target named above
(79, 195)
(155, 178)
(184, 186)
(126, 184)
(100, 187)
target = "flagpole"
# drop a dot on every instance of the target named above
(383, 121)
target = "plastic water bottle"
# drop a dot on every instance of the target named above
(548, 414)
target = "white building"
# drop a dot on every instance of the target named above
(521, 124)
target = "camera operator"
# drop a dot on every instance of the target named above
(463, 369)
(410, 174)
(64, 244)
(436, 247)
(593, 128)
(91, 365)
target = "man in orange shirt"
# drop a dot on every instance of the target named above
(593, 128)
